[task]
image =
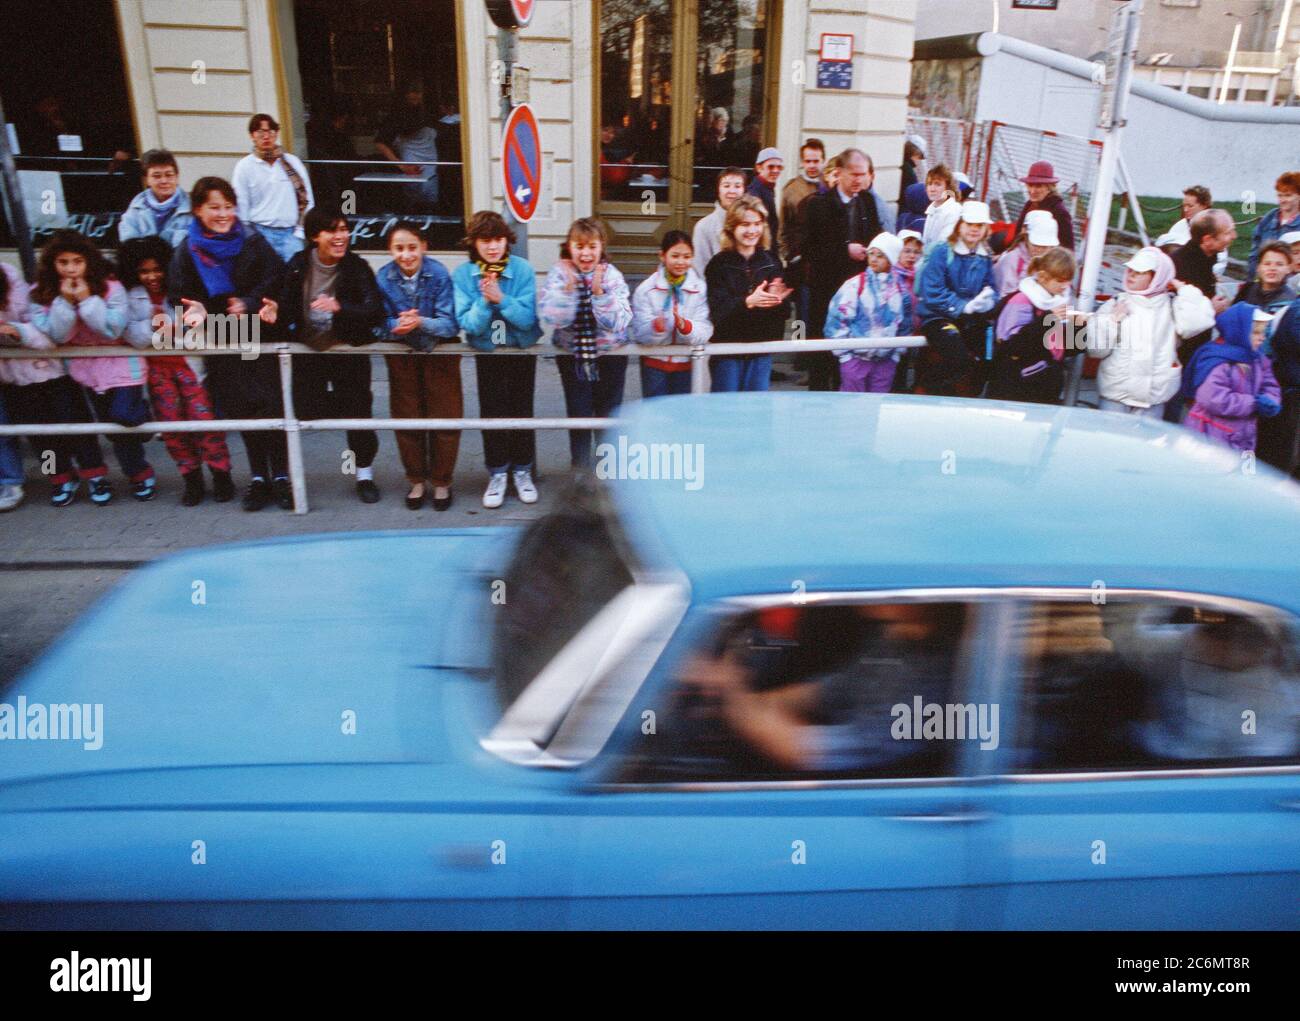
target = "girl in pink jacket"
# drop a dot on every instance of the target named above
(80, 304)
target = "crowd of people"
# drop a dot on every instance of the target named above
(827, 252)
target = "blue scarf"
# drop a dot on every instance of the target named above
(1232, 346)
(214, 256)
(162, 211)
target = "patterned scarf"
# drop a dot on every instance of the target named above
(674, 297)
(490, 267)
(584, 333)
(299, 188)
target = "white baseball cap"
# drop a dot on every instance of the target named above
(1261, 316)
(961, 178)
(1041, 228)
(1142, 262)
(1290, 237)
(975, 212)
(770, 153)
(889, 246)
(903, 235)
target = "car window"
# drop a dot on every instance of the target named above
(1150, 684)
(816, 691)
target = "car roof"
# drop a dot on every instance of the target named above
(836, 491)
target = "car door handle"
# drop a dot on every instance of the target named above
(944, 817)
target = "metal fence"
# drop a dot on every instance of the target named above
(293, 426)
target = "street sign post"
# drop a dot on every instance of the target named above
(521, 163)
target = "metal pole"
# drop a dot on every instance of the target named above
(292, 433)
(12, 194)
(1099, 214)
(1136, 206)
(699, 369)
(506, 51)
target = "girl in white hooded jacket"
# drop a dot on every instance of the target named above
(1136, 335)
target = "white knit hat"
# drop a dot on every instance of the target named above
(888, 245)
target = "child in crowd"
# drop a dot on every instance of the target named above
(955, 299)
(944, 210)
(1269, 289)
(1232, 380)
(707, 237)
(496, 306)
(328, 296)
(1028, 360)
(587, 301)
(1279, 436)
(420, 310)
(227, 268)
(874, 303)
(162, 209)
(37, 391)
(908, 259)
(1038, 236)
(176, 391)
(1136, 335)
(670, 307)
(1292, 240)
(78, 303)
(748, 298)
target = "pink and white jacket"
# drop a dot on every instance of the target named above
(95, 322)
(17, 312)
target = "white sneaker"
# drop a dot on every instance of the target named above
(495, 494)
(12, 495)
(524, 487)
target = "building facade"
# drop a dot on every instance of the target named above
(626, 92)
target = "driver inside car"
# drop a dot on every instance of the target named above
(838, 719)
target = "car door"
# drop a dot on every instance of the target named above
(1153, 779)
(872, 828)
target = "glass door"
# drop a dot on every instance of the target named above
(683, 90)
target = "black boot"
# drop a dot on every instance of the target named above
(258, 495)
(194, 488)
(283, 493)
(223, 487)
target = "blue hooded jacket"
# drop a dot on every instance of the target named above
(912, 214)
(1233, 345)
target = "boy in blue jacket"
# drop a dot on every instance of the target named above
(496, 306)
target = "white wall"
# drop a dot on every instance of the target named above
(1166, 148)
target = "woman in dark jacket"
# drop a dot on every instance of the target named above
(1041, 183)
(225, 268)
(748, 298)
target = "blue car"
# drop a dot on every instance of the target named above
(782, 661)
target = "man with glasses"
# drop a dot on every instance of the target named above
(162, 209)
(272, 188)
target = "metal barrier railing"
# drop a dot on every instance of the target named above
(293, 426)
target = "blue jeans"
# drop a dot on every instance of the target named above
(1155, 411)
(658, 383)
(11, 455)
(585, 398)
(741, 373)
(286, 243)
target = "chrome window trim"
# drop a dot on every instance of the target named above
(1057, 593)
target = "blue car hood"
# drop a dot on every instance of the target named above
(319, 650)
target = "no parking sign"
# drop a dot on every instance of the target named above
(521, 163)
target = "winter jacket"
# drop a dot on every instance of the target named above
(361, 306)
(766, 194)
(830, 225)
(1224, 411)
(1011, 267)
(795, 193)
(883, 213)
(1284, 345)
(517, 311)
(1055, 205)
(911, 212)
(96, 321)
(140, 326)
(730, 279)
(939, 221)
(434, 300)
(706, 238)
(558, 307)
(256, 274)
(651, 301)
(17, 312)
(870, 305)
(138, 221)
(1027, 365)
(1140, 365)
(951, 276)
(1271, 302)
(1269, 228)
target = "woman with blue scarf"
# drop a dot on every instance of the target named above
(226, 269)
(1232, 380)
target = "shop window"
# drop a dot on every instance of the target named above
(379, 83)
(74, 138)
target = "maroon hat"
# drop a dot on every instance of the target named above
(1040, 173)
